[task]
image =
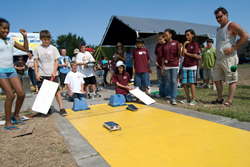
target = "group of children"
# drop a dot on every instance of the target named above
(46, 62)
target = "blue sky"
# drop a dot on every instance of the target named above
(89, 19)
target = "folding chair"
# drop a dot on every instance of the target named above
(99, 80)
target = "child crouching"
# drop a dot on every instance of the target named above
(121, 78)
(75, 83)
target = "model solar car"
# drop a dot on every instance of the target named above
(111, 126)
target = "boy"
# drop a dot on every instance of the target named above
(83, 58)
(46, 63)
(141, 65)
(208, 60)
(164, 90)
(75, 83)
(64, 68)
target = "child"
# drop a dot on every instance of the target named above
(141, 65)
(64, 69)
(83, 58)
(170, 62)
(163, 87)
(190, 52)
(46, 63)
(208, 61)
(9, 79)
(75, 83)
(122, 81)
(105, 66)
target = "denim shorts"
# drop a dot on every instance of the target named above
(141, 79)
(8, 75)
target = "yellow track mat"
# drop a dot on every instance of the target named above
(155, 137)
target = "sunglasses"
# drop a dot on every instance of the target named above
(219, 17)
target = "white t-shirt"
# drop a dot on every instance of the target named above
(85, 58)
(30, 62)
(46, 59)
(74, 79)
(6, 55)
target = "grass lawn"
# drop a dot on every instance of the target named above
(241, 102)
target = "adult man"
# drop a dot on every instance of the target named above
(64, 69)
(20, 66)
(226, 54)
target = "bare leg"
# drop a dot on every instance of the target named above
(232, 88)
(192, 90)
(87, 89)
(7, 88)
(146, 90)
(206, 81)
(18, 87)
(186, 91)
(93, 87)
(219, 88)
(63, 89)
(59, 99)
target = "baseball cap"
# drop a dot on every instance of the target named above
(76, 50)
(119, 63)
(90, 50)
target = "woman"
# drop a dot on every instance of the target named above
(120, 54)
(170, 62)
(30, 65)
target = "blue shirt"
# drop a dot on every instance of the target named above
(129, 61)
(64, 69)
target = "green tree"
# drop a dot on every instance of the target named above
(70, 42)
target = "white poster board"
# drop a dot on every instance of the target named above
(45, 97)
(142, 96)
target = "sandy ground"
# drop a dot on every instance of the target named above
(44, 147)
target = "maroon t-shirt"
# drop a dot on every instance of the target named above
(123, 80)
(158, 53)
(141, 57)
(192, 48)
(170, 53)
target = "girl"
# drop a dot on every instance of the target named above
(9, 79)
(120, 54)
(170, 62)
(190, 52)
(122, 81)
(30, 65)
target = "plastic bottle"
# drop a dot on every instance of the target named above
(92, 99)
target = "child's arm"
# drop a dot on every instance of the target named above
(82, 88)
(123, 86)
(133, 67)
(38, 77)
(55, 68)
(163, 65)
(71, 93)
(25, 46)
(156, 63)
(149, 67)
(185, 51)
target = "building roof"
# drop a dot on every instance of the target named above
(126, 29)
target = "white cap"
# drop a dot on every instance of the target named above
(119, 63)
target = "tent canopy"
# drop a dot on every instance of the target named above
(126, 29)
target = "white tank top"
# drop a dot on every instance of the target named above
(224, 41)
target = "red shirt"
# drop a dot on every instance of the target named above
(170, 53)
(123, 80)
(192, 48)
(141, 57)
(158, 53)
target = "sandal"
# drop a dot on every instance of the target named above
(227, 104)
(217, 101)
(11, 128)
(17, 122)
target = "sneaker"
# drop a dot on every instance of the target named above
(168, 97)
(185, 101)
(88, 96)
(158, 96)
(192, 103)
(96, 94)
(205, 86)
(174, 102)
(169, 101)
(63, 112)
(214, 87)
